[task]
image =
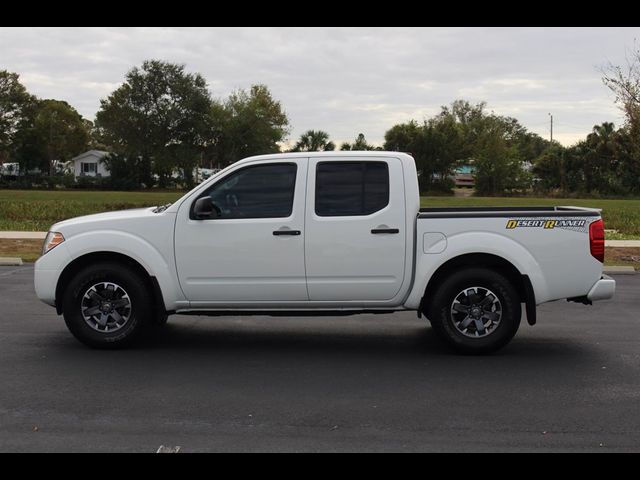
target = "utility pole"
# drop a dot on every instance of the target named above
(551, 127)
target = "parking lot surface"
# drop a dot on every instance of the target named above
(361, 383)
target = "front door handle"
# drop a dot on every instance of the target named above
(287, 232)
(377, 231)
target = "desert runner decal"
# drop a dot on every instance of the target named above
(574, 224)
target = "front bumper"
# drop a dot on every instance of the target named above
(604, 289)
(47, 272)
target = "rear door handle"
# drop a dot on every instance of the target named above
(287, 232)
(377, 231)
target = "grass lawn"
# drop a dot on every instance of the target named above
(34, 210)
(37, 210)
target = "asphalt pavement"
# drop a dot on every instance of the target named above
(361, 383)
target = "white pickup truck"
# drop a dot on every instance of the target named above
(320, 233)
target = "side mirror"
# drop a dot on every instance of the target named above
(205, 209)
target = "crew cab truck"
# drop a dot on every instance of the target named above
(320, 233)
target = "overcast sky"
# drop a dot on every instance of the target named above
(345, 80)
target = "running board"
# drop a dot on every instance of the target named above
(284, 313)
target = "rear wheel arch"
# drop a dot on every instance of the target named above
(521, 283)
(476, 310)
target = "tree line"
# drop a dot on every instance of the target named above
(163, 120)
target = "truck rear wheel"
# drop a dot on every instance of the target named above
(107, 306)
(475, 311)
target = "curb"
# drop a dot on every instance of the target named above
(622, 243)
(619, 270)
(10, 262)
(23, 235)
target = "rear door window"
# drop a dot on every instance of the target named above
(351, 188)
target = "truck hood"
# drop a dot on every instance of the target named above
(102, 220)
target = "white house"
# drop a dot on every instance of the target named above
(88, 164)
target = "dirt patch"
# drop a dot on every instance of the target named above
(623, 256)
(28, 250)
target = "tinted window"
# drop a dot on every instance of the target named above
(262, 191)
(351, 188)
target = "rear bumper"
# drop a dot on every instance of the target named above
(604, 289)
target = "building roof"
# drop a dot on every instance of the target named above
(95, 153)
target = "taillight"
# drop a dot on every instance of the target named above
(596, 240)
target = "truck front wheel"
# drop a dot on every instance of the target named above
(475, 311)
(107, 305)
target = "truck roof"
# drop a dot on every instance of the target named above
(335, 153)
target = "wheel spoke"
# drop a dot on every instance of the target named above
(488, 300)
(109, 291)
(91, 311)
(121, 302)
(493, 316)
(472, 296)
(104, 318)
(95, 296)
(465, 323)
(106, 307)
(476, 311)
(458, 307)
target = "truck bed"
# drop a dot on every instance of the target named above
(468, 212)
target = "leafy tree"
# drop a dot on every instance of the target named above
(624, 82)
(437, 151)
(500, 148)
(598, 159)
(160, 116)
(16, 111)
(126, 173)
(247, 123)
(498, 166)
(314, 141)
(61, 130)
(470, 120)
(627, 161)
(465, 133)
(548, 170)
(56, 132)
(402, 137)
(360, 144)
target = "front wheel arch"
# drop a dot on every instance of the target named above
(83, 261)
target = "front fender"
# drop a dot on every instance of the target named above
(142, 251)
(477, 242)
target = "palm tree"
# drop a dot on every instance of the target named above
(599, 158)
(314, 141)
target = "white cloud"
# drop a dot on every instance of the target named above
(345, 80)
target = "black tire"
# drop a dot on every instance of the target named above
(497, 334)
(138, 314)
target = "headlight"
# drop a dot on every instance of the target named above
(53, 240)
